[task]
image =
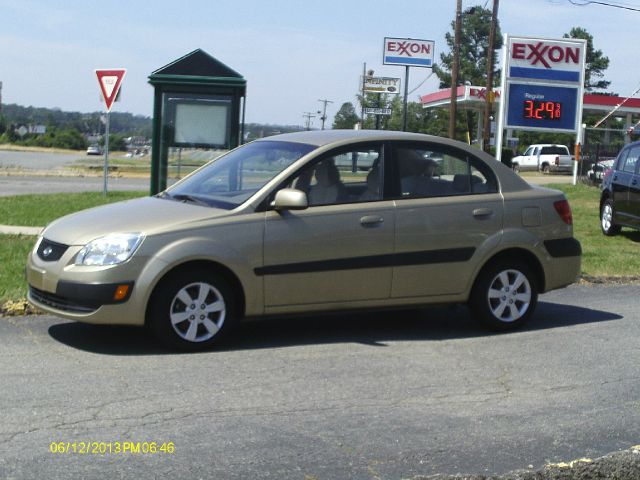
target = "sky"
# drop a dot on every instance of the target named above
(292, 53)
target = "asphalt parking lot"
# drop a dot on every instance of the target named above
(385, 396)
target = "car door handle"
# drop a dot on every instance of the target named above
(482, 212)
(371, 220)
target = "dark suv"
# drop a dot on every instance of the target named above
(620, 199)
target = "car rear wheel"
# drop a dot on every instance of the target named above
(505, 295)
(609, 228)
(545, 168)
(192, 310)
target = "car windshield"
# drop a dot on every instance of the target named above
(232, 179)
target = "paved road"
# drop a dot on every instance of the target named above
(34, 172)
(21, 184)
(27, 172)
(11, 160)
(383, 396)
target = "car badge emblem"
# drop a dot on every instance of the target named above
(47, 251)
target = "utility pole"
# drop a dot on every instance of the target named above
(308, 116)
(486, 124)
(324, 110)
(364, 81)
(454, 71)
(0, 97)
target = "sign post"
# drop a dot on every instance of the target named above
(110, 81)
(543, 84)
(408, 52)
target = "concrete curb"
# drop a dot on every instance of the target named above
(15, 230)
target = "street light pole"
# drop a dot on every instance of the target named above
(454, 71)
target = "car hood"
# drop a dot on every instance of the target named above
(142, 215)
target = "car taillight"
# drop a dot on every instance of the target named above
(564, 210)
(557, 160)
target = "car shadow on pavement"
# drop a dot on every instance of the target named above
(375, 329)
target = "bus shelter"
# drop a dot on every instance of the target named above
(199, 103)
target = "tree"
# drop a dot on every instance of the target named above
(346, 116)
(474, 45)
(596, 62)
(474, 55)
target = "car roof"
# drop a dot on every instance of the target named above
(325, 137)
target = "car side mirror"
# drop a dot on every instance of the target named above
(290, 199)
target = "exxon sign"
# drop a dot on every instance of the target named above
(408, 51)
(546, 59)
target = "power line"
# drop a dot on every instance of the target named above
(606, 4)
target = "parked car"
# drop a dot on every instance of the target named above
(598, 170)
(94, 150)
(620, 198)
(280, 226)
(544, 158)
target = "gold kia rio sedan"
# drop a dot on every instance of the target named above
(311, 222)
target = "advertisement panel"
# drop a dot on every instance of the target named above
(541, 59)
(381, 85)
(409, 52)
(543, 79)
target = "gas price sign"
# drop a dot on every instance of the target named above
(541, 110)
(543, 107)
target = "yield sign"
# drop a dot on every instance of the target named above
(110, 81)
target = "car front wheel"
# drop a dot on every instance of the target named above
(192, 310)
(505, 295)
(606, 219)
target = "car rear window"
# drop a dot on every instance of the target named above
(553, 151)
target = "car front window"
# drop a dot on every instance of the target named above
(232, 179)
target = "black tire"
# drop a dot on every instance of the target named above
(545, 168)
(515, 167)
(197, 324)
(505, 295)
(607, 225)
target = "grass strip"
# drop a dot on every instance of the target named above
(39, 210)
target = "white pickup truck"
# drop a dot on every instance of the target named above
(544, 158)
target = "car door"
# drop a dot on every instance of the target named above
(633, 198)
(337, 251)
(621, 182)
(442, 226)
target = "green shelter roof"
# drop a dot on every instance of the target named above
(197, 67)
(197, 63)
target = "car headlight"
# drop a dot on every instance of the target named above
(110, 249)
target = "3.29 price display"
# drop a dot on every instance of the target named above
(542, 110)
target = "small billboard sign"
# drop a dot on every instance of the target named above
(377, 111)
(381, 85)
(409, 52)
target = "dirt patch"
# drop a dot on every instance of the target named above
(15, 308)
(624, 465)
